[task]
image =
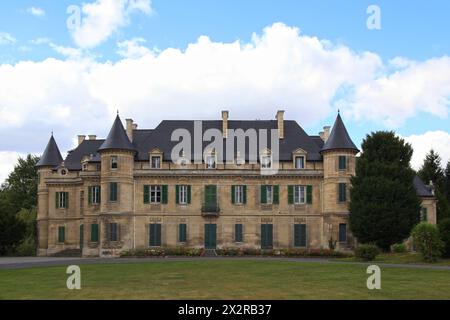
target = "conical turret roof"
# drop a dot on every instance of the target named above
(117, 138)
(339, 138)
(51, 156)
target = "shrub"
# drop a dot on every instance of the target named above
(367, 252)
(399, 248)
(26, 248)
(427, 241)
(332, 243)
(444, 231)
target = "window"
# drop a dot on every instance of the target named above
(155, 194)
(238, 194)
(94, 195)
(62, 200)
(266, 236)
(300, 162)
(61, 234)
(183, 194)
(342, 232)
(238, 234)
(210, 161)
(299, 194)
(113, 232)
(155, 235)
(182, 235)
(156, 162)
(113, 191)
(342, 163)
(423, 214)
(300, 235)
(114, 162)
(269, 194)
(342, 197)
(210, 199)
(266, 162)
(94, 232)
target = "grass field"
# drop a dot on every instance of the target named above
(226, 279)
(403, 258)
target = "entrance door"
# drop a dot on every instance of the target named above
(81, 236)
(210, 236)
(266, 236)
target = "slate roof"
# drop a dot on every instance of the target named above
(51, 156)
(339, 137)
(422, 189)
(145, 140)
(117, 138)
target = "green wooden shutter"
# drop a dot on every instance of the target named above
(57, 200)
(177, 194)
(342, 192)
(300, 235)
(182, 232)
(67, 200)
(290, 194)
(309, 194)
(263, 194)
(244, 189)
(233, 194)
(155, 235)
(276, 194)
(146, 194)
(189, 194)
(94, 232)
(61, 234)
(90, 195)
(238, 237)
(164, 194)
(99, 194)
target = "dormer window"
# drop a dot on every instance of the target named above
(155, 162)
(266, 162)
(210, 161)
(299, 162)
(114, 162)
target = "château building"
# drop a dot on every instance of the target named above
(126, 192)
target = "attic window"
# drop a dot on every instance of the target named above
(114, 162)
(300, 162)
(85, 167)
(155, 162)
(266, 162)
(63, 172)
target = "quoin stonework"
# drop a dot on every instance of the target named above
(126, 192)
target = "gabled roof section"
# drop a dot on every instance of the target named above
(51, 156)
(339, 138)
(422, 189)
(117, 138)
(86, 148)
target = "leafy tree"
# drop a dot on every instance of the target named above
(432, 170)
(384, 206)
(12, 231)
(447, 180)
(444, 229)
(427, 240)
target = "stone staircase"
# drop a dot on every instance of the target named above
(68, 253)
(210, 253)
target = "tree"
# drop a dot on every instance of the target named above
(447, 180)
(427, 240)
(20, 188)
(432, 170)
(444, 230)
(12, 231)
(384, 206)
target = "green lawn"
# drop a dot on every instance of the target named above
(403, 258)
(226, 279)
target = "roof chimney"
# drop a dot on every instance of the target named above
(280, 120)
(81, 139)
(92, 137)
(321, 135)
(326, 133)
(129, 129)
(225, 115)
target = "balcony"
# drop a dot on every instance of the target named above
(209, 210)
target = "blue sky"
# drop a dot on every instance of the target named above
(415, 31)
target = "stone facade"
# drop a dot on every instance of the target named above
(70, 216)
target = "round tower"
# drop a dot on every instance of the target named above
(339, 155)
(50, 159)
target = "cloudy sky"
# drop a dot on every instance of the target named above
(67, 66)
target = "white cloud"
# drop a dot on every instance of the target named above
(439, 141)
(278, 69)
(8, 159)
(6, 38)
(393, 98)
(104, 17)
(37, 12)
(133, 49)
(39, 41)
(72, 53)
